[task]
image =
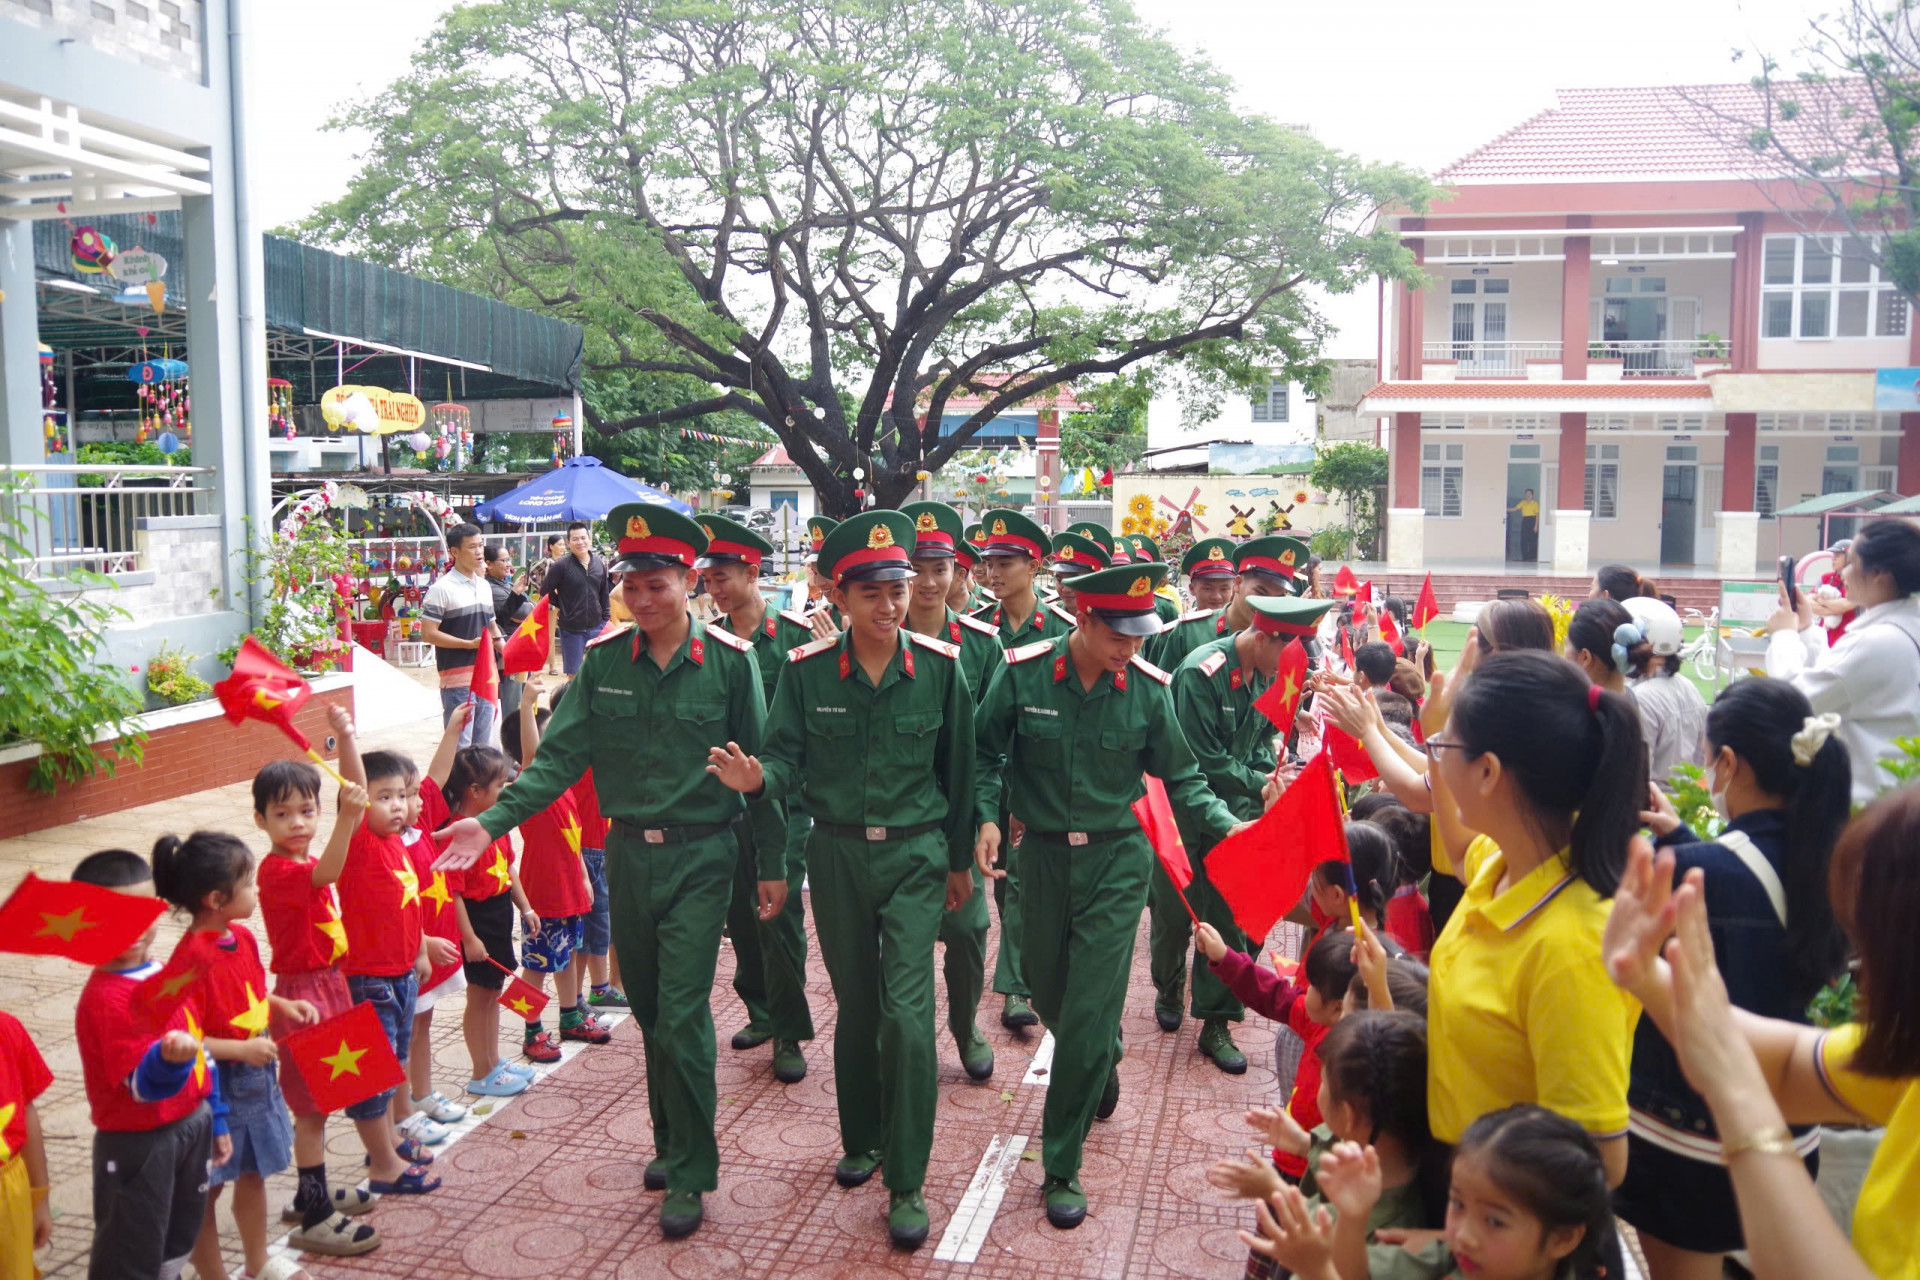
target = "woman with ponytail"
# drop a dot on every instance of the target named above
(1780, 778)
(1538, 778)
(1603, 641)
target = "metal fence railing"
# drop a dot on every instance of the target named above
(71, 517)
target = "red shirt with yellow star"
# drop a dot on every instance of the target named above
(23, 1077)
(233, 994)
(551, 869)
(380, 902)
(112, 1042)
(437, 892)
(304, 930)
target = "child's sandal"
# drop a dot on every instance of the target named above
(337, 1237)
(414, 1182)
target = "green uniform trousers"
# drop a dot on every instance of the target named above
(1170, 938)
(667, 903)
(964, 934)
(770, 956)
(877, 908)
(1081, 909)
(1009, 978)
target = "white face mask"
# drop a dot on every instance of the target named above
(1718, 797)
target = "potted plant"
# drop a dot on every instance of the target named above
(1709, 346)
(170, 677)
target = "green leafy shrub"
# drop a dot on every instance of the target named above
(171, 679)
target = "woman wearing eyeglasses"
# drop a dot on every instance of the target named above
(1538, 780)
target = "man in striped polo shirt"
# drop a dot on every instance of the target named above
(456, 619)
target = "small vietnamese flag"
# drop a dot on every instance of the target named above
(527, 648)
(1390, 632)
(520, 996)
(1427, 607)
(345, 1059)
(1349, 757)
(1281, 702)
(1344, 583)
(1154, 811)
(485, 684)
(264, 688)
(1366, 592)
(69, 918)
(158, 996)
(1262, 872)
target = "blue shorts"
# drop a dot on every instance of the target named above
(258, 1122)
(551, 950)
(599, 932)
(392, 999)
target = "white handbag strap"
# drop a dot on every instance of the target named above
(1744, 849)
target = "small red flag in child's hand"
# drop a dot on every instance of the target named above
(1344, 583)
(527, 648)
(520, 996)
(1427, 607)
(485, 684)
(345, 1059)
(1155, 813)
(1390, 632)
(158, 996)
(1349, 757)
(264, 688)
(1262, 871)
(1282, 699)
(70, 918)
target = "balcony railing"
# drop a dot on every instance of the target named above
(1490, 359)
(87, 517)
(1661, 358)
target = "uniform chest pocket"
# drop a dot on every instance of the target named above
(702, 715)
(916, 733)
(613, 702)
(1042, 739)
(1120, 749)
(833, 726)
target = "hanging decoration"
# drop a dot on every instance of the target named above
(688, 433)
(53, 419)
(562, 438)
(452, 428)
(143, 272)
(393, 410)
(93, 253)
(280, 407)
(164, 403)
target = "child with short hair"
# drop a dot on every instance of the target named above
(26, 1223)
(387, 955)
(1372, 1092)
(554, 877)
(490, 894)
(1310, 1008)
(1366, 875)
(157, 1114)
(427, 1111)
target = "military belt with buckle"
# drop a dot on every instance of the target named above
(1078, 838)
(875, 835)
(686, 834)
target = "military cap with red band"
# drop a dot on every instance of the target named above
(873, 546)
(1291, 616)
(1122, 597)
(1075, 554)
(649, 536)
(937, 529)
(1011, 534)
(1283, 558)
(1144, 548)
(818, 527)
(1209, 556)
(730, 542)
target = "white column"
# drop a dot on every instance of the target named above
(1406, 538)
(1736, 546)
(1570, 541)
(22, 430)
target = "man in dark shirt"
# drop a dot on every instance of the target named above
(509, 607)
(578, 584)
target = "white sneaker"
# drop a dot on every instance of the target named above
(437, 1107)
(422, 1128)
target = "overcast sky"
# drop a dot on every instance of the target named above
(1407, 80)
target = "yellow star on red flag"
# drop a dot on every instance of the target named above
(571, 832)
(522, 1006)
(6, 1118)
(409, 885)
(177, 983)
(335, 932)
(437, 892)
(199, 1058)
(501, 870)
(254, 1020)
(345, 1060)
(63, 927)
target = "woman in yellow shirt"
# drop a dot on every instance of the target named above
(1758, 1075)
(1538, 778)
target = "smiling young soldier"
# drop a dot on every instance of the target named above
(821, 613)
(1213, 694)
(1270, 566)
(1066, 730)
(770, 956)
(1014, 550)
(937, 546)
(650, 702)
(874, 730)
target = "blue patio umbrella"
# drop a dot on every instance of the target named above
(578, 489)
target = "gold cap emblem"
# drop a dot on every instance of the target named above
(1216, 553)
(926, 523)
(879, 536)
(999, 528)
(637, 527)
(1141, 587)
(707, 529)
(1286, 558)
(1065, 553)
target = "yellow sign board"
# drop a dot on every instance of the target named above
(393, 410)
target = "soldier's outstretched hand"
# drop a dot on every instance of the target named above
(461, 844)
(736, 768)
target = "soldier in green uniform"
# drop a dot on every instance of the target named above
(1066, 731)
(1015, 549)
(1269, 566)
(820, 608)
(960, 591)
(649, 703)
(1074, 555)
(1214, 690)
(874, 729)
(976, 538)
(1124, 549)
(770, 956)
(937, 546)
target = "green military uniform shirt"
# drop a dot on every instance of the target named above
(779, 633)
(646, 732)
(1072, 760)
(1191, 630)
(980, 651)
(1213, 696)
(1045, 624)
(1167, 608)
(859, 755)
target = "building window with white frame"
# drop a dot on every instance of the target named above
(1603, 481)
(1766, 481)
(1826, 287)
(1272, 407)
(1442, 477)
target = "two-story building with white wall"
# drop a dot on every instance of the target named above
(1181, 438)
(1627, 314)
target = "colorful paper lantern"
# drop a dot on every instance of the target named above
(93, 252)
(169, 443)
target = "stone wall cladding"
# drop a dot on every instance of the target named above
(162, 34)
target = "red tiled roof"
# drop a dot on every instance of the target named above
(1637, 390)
(1676, 131)
(774, 457)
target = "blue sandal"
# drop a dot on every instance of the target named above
(413, 1182)
(414, 1152)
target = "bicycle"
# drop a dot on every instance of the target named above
(1703, 651)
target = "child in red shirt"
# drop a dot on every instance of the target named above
(597, 967)
(26, 1223)
(427, 813)
(157, 1117)
(554, 875)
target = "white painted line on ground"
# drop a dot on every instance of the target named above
(569, 1050)
(1040, 1070)
(973, 1217)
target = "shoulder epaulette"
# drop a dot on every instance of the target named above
(1061, 614)
(987, 609)
(1212, 662)
(972, 623)
(614, 634)
(1194, 615)
(938, 646)
(1152, 670)
(729, 639)
(797, 619)
(812, 647)
(1027, 651)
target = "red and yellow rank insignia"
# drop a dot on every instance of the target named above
(1065, 553)
(999, 528)
(1286, 559)
(1216, 553)
(879, 536)
(637, 527)
(926, 523)
(1141, 587)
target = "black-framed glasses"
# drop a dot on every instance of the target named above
(1433, 747)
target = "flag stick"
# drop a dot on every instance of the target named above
(321, 760)
(1183, 902)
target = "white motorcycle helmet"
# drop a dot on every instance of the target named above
(1659, 622)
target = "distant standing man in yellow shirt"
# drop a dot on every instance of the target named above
(1529, 512)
